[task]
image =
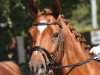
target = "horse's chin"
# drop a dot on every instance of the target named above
(42, 72)
(50, 72)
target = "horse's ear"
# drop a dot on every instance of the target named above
(56, 8)
(33, 8)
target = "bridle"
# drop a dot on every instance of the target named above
(51, 63)
(44, 52)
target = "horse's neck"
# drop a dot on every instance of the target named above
(74, 48)
(75, 52)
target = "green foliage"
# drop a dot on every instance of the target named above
(82, 16)
(69, 6)
(81, 27)
(15, 14)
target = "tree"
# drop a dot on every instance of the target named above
(15, 15)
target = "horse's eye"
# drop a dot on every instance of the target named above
(56, 34)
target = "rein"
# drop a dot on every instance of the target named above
(51, 64)
(76, 64)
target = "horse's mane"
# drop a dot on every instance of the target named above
(77, 35)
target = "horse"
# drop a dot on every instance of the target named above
(55, 45)
(9, 68)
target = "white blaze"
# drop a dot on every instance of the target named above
(42, 27)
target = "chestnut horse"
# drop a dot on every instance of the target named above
(9, 68)
(55, 44)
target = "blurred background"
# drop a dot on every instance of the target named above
(15, 20)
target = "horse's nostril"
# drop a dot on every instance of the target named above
(32, 68)
(42, 66)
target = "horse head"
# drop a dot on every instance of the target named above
(46, 38)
